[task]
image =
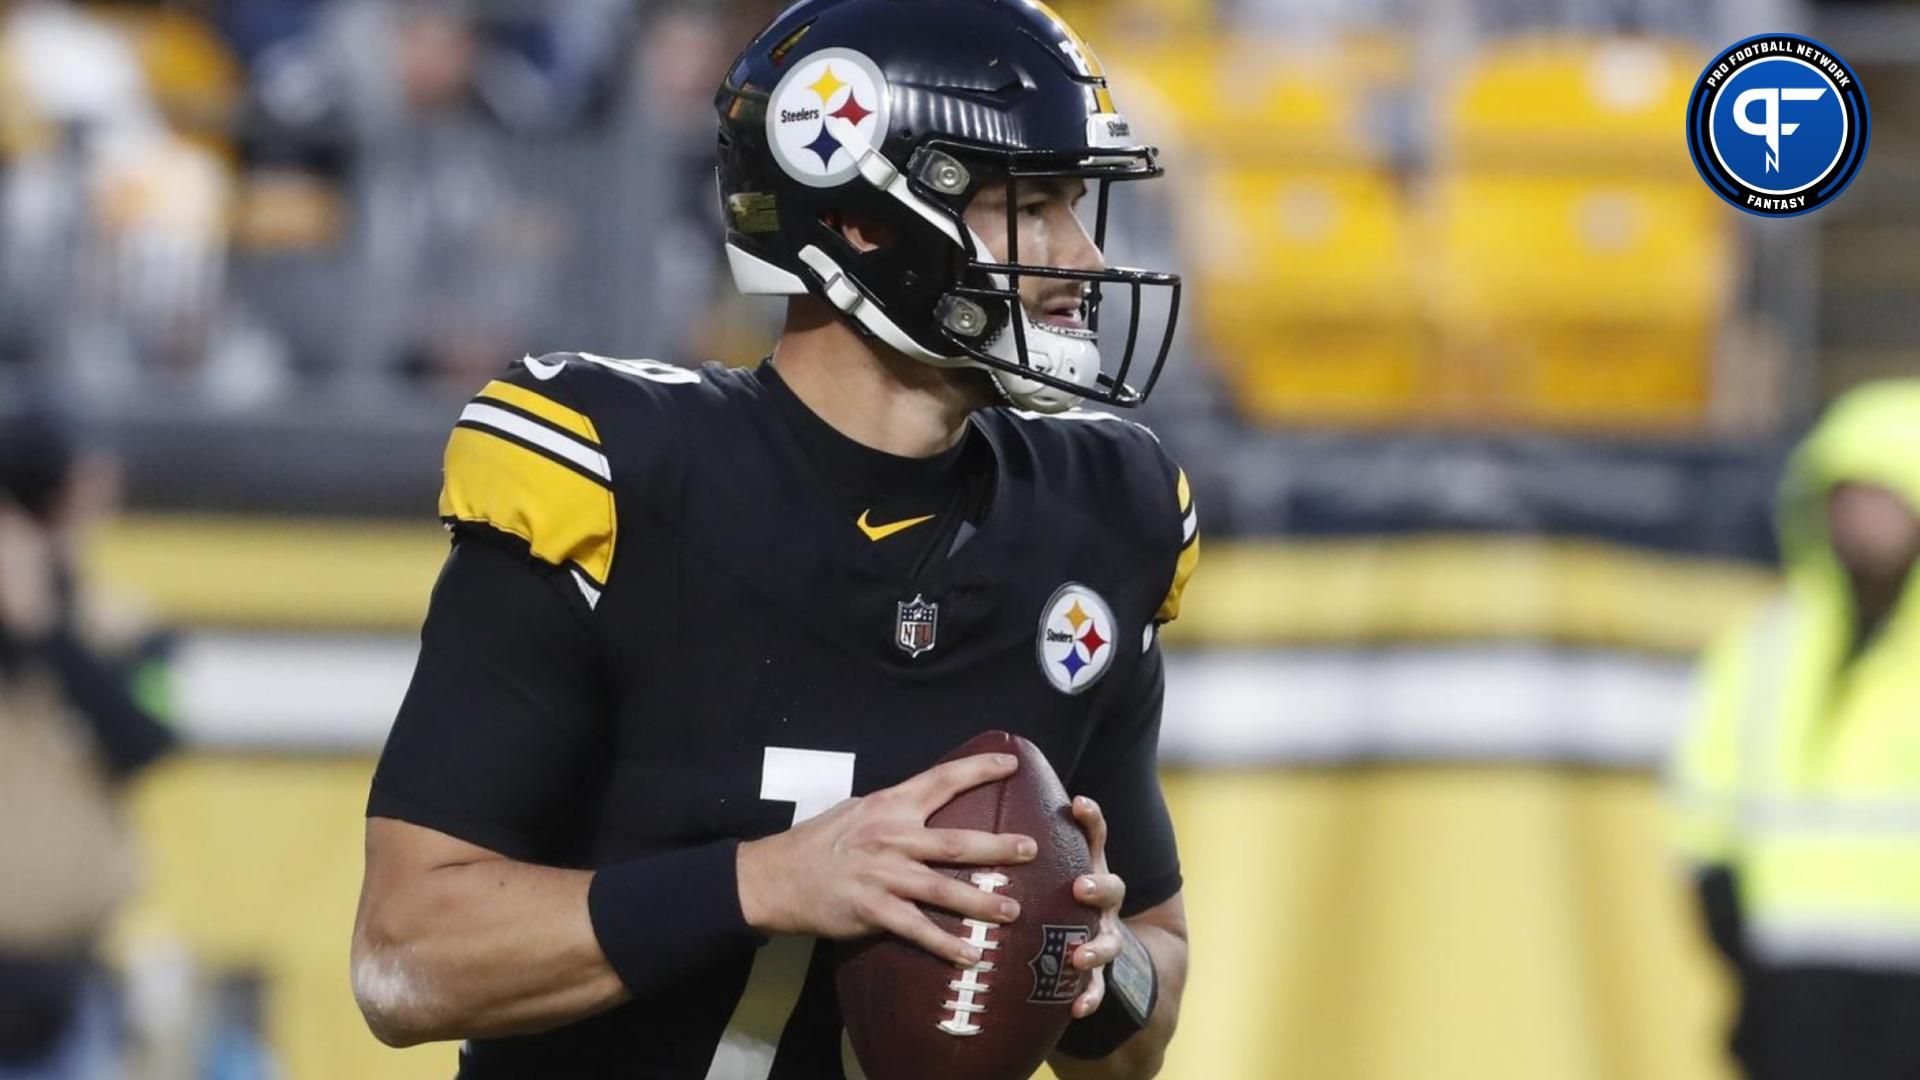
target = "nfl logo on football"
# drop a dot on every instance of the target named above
(1055, 981)
(915, 625)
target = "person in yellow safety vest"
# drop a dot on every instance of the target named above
(1796, 788)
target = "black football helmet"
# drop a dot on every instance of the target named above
(899, 111)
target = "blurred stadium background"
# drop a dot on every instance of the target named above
(1482, 393)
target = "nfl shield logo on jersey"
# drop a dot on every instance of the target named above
(914, 628)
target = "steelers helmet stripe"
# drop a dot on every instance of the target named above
(496, 420)
(541, 407)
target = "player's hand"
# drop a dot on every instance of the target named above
(861, 867)
(1104, 891)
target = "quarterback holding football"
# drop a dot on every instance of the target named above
(703, 634)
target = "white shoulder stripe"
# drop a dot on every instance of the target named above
(586, 589)
(1188, 526)
(540, 435)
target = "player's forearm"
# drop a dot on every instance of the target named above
(1141, 1056)
(480, 950)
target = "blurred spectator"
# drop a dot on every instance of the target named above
(70, 733)
(446, 126)
(113, 227)
(1797, 789)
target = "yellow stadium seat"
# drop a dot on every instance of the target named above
(1619, 377)
(1572, 301)
(1247, 99)
(1600, 104)
(1356, 374)
(1303, 288)
(1515, 247)
(1109, 26)
(1578, 268)
(1290, 245)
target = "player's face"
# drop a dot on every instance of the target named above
(1050, 234)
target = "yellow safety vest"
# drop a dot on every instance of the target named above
(1800, 770)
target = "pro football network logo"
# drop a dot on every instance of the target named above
(1077, 633)
(1778, 125)
(1055, 980)
(832, 105)
(915, 624)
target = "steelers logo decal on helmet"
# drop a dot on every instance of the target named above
(1077, 635)
(828, 109)
(1778, 125)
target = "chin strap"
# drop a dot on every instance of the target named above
(848, 300)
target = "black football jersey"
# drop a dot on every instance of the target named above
(680, 609)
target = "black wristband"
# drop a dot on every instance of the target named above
(1133, 988)
(663, 918)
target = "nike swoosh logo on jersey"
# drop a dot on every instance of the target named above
(878, 533)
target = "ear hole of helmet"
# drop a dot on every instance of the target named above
(861, 232)
(879, 242)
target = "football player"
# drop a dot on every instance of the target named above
(703, 632)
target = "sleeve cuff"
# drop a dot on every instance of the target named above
(665, 917)
(1151, 893)
(384, 803)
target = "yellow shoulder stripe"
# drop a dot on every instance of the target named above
(1189, 552)
(1182, 570)
(568, 420)
(564, 516)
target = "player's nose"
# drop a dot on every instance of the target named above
(1079, 252)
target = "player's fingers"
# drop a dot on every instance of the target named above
(965, 847)
(965, 900)
(1103, 891)
(936, 787)
(1092, 996)
(1099, 952)
(1088, 813)
(907, 921)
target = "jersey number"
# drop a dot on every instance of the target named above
(813, 781)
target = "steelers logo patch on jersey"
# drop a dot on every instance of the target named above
(824, 114)
(1077, 635)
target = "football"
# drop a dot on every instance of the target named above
(911, 1016)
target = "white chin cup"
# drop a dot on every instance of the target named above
(1069, 355)
(1054, 351)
